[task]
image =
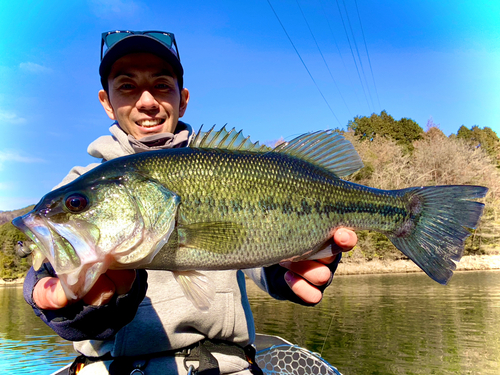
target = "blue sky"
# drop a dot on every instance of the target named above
(432, 58)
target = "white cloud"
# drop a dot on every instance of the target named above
(15, 156)
(11, 118)
(112, 8)
(34, 68)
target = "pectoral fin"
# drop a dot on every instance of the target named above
(216, 237)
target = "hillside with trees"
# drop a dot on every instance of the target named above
(429, 157)
(11, 265)
(396, 154)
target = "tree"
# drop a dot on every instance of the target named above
(432, 130)
(404, 132)
(11, 265)
(464, 133)
(431, 124)
(484, 138)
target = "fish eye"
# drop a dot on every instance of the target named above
(76, 202)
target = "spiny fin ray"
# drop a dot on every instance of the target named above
(224, 140)
(325, 149)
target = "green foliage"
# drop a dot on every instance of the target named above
(404, 132)
(484, 138)
(11, 265)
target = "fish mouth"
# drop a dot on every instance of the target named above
(70, 255)
(35, 228)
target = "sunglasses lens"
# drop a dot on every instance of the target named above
(112, 38)
(162, 37)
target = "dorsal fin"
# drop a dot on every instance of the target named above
(325, 149)
(223, 139)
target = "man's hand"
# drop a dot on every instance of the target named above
(304, 276)
(48, 293)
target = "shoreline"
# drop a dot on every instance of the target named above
(467, 263)
(372, 267)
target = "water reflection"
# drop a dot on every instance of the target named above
(27, 346)
(397, 324)
(376, 324)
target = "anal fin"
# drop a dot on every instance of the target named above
(197, 287)
(324, 251)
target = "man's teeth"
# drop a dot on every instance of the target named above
(150, 122)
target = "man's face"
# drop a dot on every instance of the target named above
(144, 95)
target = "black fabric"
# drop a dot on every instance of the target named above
(199, 353)
(278, 288)
(208, 364)
(79, 321)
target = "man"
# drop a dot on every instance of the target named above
(143, 93)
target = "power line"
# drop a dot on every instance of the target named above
(323, 57)
(303, 63)
(351, 84)
(357, 52)
(367, 54)
(352, 54)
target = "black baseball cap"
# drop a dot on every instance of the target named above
(121, 43)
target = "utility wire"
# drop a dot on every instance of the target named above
(357, 52)
(352, 54)
(303, 63)
(351, 84)
(323, 57)
(366, 48)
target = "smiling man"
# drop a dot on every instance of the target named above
(137, 320)
(144, 96)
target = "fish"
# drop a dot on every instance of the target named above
(225, 202)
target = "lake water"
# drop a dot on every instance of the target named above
(382, 324)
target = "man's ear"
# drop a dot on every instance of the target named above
(106, 104)
(184, 102)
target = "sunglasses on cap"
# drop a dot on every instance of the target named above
(110, 38)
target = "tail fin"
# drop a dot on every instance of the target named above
(434, 237)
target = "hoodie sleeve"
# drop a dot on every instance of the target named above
(79, 321)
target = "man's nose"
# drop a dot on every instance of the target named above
(147, 101)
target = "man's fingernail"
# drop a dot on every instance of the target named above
(289, 277)
(343, 237)
(58, 296)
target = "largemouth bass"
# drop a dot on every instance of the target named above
(226, 203)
